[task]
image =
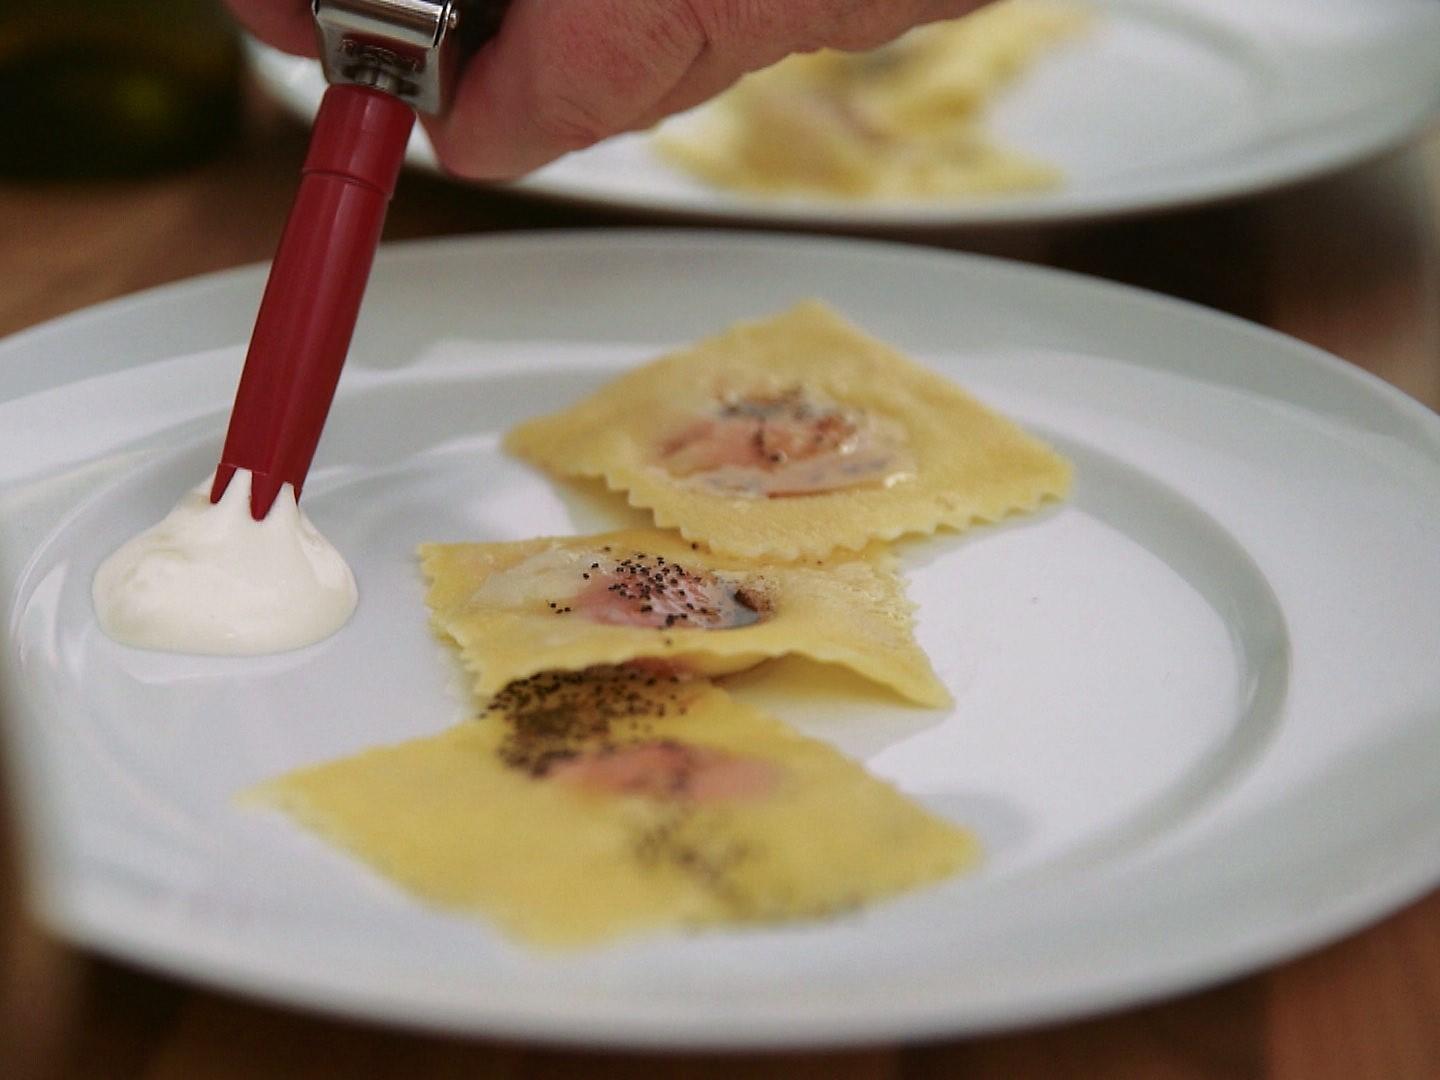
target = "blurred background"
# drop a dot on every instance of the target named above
(103, 89)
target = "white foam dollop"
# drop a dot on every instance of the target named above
(210, 579)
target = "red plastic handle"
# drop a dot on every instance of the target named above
(312, 299)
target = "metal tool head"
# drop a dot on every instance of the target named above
(413, 49)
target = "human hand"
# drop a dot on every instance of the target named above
(564, 74)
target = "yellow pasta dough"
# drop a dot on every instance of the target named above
(794, 436)
(588, 806)
(567, 603)
(902, 121)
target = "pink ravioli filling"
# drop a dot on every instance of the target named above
(784, 444)
(665, 769)
(649, 591)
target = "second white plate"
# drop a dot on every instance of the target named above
(1165, 103)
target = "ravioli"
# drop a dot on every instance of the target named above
(794, 436)
(567, 603)
(593, 805)
(902, 121)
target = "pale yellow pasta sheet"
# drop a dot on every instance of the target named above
(957, 463)
(482, 818)
(513, 610)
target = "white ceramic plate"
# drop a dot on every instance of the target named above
(1166, 103)
(1196, 719)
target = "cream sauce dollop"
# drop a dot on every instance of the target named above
(209, 579)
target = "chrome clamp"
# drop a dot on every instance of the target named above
(413, 49)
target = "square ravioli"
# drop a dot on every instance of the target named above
(591, 805)
(567, 603)
(794, 436)
(906, 120)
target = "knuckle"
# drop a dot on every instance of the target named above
(569, 121)
(682, 31)
(754, 33)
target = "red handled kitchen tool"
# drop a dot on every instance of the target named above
(384, 59)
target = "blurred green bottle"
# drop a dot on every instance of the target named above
(109, 88)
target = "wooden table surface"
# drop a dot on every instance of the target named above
(1350, 262)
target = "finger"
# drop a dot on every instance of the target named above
(709, 76)
(759, 32)
(561, 75)
(285, 24)
(720, 65)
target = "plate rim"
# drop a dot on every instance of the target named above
(1401, 117)
(251, 276)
